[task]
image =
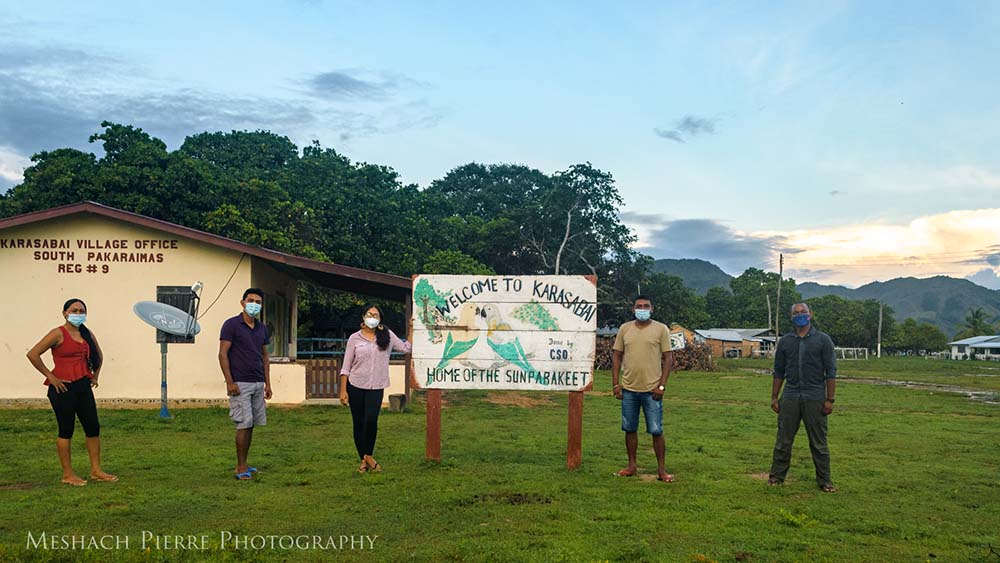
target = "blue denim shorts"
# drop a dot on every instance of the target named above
(651, 408)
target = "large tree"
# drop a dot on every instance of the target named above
(851, 323)
(753, 290)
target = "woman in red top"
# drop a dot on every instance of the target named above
(78, 359)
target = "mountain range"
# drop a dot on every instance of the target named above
(941, 300)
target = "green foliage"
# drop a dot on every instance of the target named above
(454, 262)
(673, 302)
(851, 323)
(720, 305)
(535, 314)
(751, 291)
(976, 325)
(915, 336)
(942, 301)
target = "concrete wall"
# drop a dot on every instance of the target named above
(34, 289)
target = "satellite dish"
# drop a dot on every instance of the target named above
(167, 318)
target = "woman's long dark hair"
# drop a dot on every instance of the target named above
(94, 360)
(381, 333)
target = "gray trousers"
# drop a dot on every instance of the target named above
(792, 412)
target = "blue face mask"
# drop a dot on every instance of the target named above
(76, 319)
(252, 309)
(800, 320)
(642, 314)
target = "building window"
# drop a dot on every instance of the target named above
(179, 296)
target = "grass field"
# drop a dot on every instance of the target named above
(918, 471)
(973, 375)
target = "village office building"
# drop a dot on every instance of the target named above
(112, 259)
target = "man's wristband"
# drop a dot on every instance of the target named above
(829, 400)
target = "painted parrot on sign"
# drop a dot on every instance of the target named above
(500, 338)
(462, 338)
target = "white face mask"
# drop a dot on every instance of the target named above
(372, 322)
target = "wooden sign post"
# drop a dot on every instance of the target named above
(528, 333)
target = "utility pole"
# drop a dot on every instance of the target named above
(777, 306)
(768, 296)
(878, 352)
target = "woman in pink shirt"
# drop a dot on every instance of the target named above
(363, 380)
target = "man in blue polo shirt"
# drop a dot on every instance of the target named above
(804, 363)
(245, 365)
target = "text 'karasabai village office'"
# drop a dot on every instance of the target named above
(112, 259)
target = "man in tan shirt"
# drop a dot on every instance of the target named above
(642, 358)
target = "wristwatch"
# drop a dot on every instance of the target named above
(661, 388)
(830, 400)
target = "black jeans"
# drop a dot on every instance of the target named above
(792, 413)
(365, 407)
(76, 401)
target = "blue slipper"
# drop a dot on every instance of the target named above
(245, 476)
(252, 469)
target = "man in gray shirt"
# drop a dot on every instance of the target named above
(804, 364)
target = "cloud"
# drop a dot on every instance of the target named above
(56, 96)
(18, 57)
(956, 243)
(688, 127)
(694, 125)
(922, 179)
(33, 119)
(960, 244)
(986, 278)
(669, 134)
(731, 250)
(642, 219)
(12, 166)
(357, 85)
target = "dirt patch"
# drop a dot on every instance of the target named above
(516, 399)
(760, 476)
(987, 397)
(17, 486)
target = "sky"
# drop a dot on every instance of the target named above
(861, 140)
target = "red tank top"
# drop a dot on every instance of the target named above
(70, 358)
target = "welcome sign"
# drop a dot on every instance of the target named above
(504, 332)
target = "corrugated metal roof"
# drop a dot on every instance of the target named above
(749, 332)
(726, 335)
(975, 340)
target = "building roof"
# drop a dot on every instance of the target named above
(726, 335)
(975, 340)
(736, 334)
(748, 333)
(326, 274)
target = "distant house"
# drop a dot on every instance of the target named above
(977, 348)
(737, 342)
(689, 335)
